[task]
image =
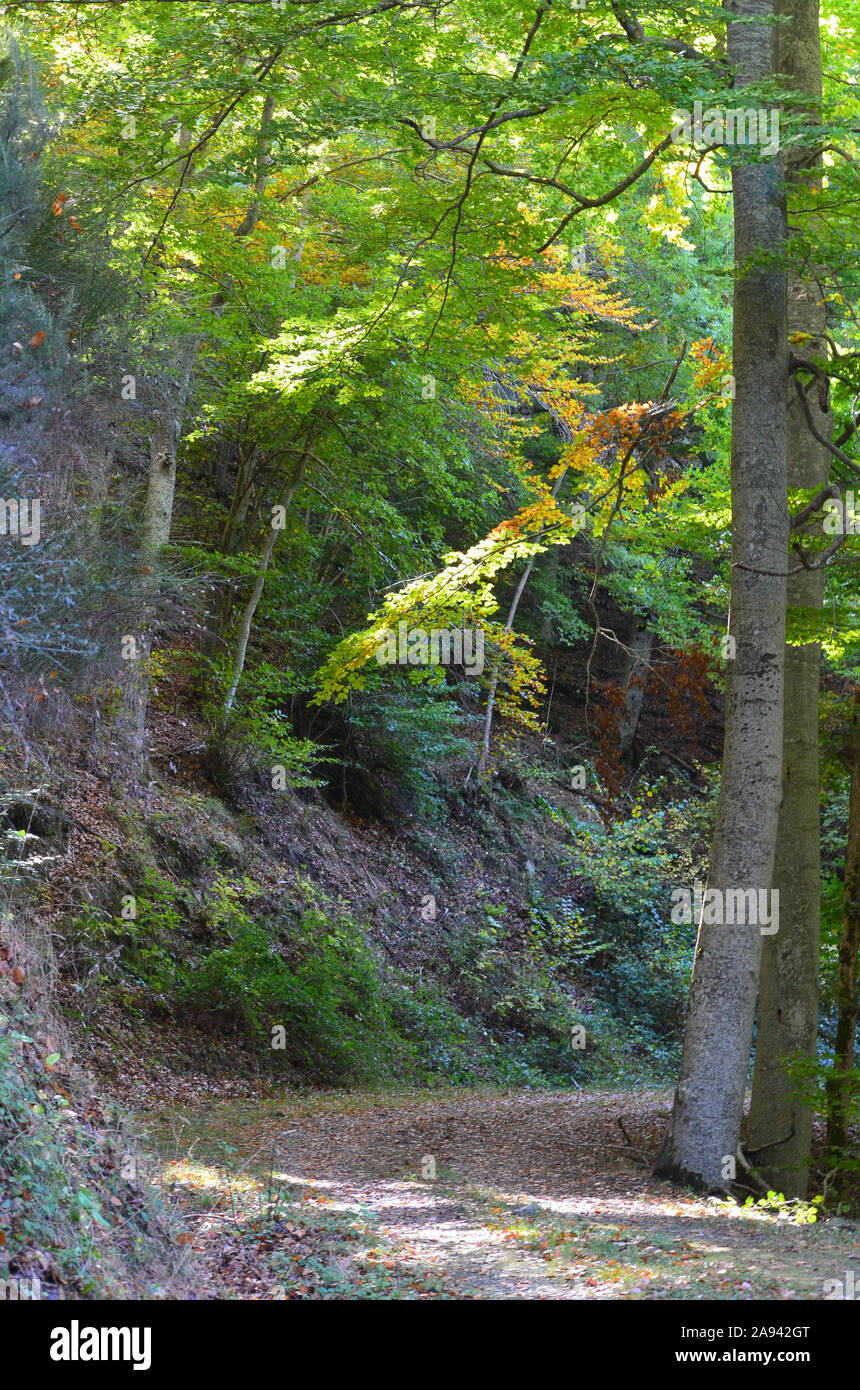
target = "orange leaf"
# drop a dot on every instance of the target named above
(36, 339)
(57, 204)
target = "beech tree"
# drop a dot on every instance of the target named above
(702, 1139)
(780, 1123)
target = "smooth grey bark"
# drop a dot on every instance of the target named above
(780, 1124)
(703, 1134)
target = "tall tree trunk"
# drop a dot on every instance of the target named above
(780, 1124)
(840, 1083)
(704, 1130)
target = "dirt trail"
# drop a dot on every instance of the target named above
(535, 1195)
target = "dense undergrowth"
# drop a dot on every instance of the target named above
(565, 976)
(75, 1221)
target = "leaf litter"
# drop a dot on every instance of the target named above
(475, 1194)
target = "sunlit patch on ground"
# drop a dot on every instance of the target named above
(308, 1198)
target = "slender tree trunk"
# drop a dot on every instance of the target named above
(484, 754)
(780, 1124)
(841, 1085)
(564, 429)
(247, 618)
(641, 646)
(704, 1130)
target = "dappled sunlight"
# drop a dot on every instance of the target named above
(529, 1196)
(199, 1176)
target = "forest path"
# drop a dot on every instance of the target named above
(535, 1196)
